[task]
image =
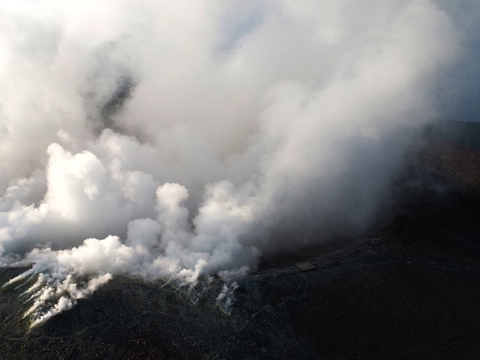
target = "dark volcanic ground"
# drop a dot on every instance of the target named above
(408, 290)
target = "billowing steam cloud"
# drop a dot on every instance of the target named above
(184, 139)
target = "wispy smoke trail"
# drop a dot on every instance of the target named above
(185, 140)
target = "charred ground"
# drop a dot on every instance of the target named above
(407, 290)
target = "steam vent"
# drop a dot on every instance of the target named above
(406, 289)
(212, 179)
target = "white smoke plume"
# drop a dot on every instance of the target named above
(186, 139)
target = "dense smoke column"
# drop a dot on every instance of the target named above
(179, 141)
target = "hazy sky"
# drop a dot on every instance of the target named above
(183, 139)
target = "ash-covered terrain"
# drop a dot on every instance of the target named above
(408, 289)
